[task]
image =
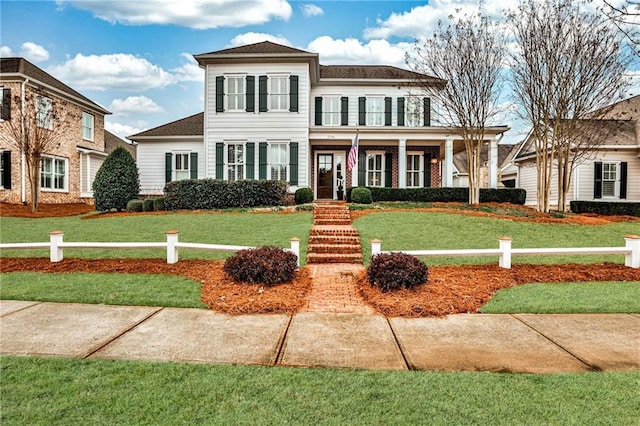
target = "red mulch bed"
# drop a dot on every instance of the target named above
(45, 210)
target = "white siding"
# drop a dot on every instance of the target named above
(151, 162)
(89, 166)
(586, 170)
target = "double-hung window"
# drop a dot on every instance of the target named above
(279, 92)
(375, 169)
(375, 111)
(44, 112)
(414, 115)
(235, 162)
(235, 93)
(331, 113)
(87, 126)
(183, 171)
(278, 161)
(53, 173)
(609, 179)
(414, 169)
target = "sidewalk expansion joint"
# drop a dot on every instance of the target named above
(407, 365)
(280, 353)
(22, 309)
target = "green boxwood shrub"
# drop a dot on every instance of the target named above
(135, 206)
(147, 205)
(264, 265)
(443, 195)
(361, 195)
(303, 195)
(158, 204)
(116, 181)
(608, 208)
(392, 271)
(208, 194)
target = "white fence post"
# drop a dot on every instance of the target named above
(632, 259)
(295, 248)
(172, 250)
(505, 249)
(55, 251)
(376, 247)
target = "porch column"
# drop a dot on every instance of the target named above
(447, 172)
(402, 163)
(493, 163)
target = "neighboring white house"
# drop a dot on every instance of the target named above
(610, 173)
(273, 112)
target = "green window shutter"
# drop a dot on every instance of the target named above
(318, 114)
(427, 171)
(6, 164)
(193, 158)
(388, 170)
(597, 180)
(362, 168)
(262, 93)
(251, 93)
(293, 93)
(362, 111)
(344, 111)
(168, 163)
(623, 180)
(250, 161)
(220, 160)
(401, 111)
(293, 163)
(427, 111)
(262, 161)
(387, 111)
(219, 94)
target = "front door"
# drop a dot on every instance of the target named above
(325, 176)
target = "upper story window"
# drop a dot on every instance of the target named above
(87, 126)
(331, 113)
(53, 173)
(235, 161)
(375, 111)
(44, 112)
(279, 92)
(235, 93)
(5, 106)
(414, 115)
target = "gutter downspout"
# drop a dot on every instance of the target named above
(23, 160)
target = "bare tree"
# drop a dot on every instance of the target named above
(468, 53)
(38, 124)
(626, 18)
(568, 66)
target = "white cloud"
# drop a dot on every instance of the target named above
(6, 52)
(353, 51)
(202, 14)
(250, 38)
(34, 52)
(135, 105)
(123, 130)
(117, 71)
(309, 10)
(190, 71)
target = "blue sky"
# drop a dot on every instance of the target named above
(135, 57)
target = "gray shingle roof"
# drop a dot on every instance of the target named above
(188, 126)
(370, 72)
(22, 66)
(264, 47)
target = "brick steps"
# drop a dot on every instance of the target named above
(334, 258)
(332, 221)
(332, 238)
(337, 248)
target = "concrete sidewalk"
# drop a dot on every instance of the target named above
(473, 342)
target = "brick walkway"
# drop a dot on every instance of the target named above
(334, 260)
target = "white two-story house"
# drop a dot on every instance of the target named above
(273, 112)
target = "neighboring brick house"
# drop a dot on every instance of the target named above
(68, 169)
(112, 142)
(273, 112)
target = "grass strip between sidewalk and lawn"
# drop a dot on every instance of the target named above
(49, 391)
(567, 298)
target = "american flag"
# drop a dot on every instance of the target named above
(353, 154)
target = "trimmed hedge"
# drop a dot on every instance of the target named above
(208, 194)
(607, 208)
(135, 206)
(361, 195)
(158, 204)
(444, 195)
(303, 195)
(147, 205)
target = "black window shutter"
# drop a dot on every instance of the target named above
(220, 160)
(388, 170)
(251, 93)
(318, 115)
(344, 111)
(219, 94)
(362, 168)
(623, 180)
(168, 163)
(293, 163)
(250, 161)
(262, 161)
(427, 171)
(6, 105)
(293, 93)
(6, 171)
(400, 111)
(387, 111)
(262, 93)
(193, 158)
(362, 111)
(427, 111)
(597, 180)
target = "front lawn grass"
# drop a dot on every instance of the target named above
(567, 298)
(49, 391)
(103, 288)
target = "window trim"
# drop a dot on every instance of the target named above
(335, 114)
(91, 128)
(55, 159)
(241, 96)
(285, 95)
(615, 180)
(420, 171)
(285, 163)
(175, 169)
(228, 164)
(45, 122)
(369, 113)
(417, 115)
(381, 171)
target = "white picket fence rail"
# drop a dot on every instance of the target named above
(631, 251)
(56, 246)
